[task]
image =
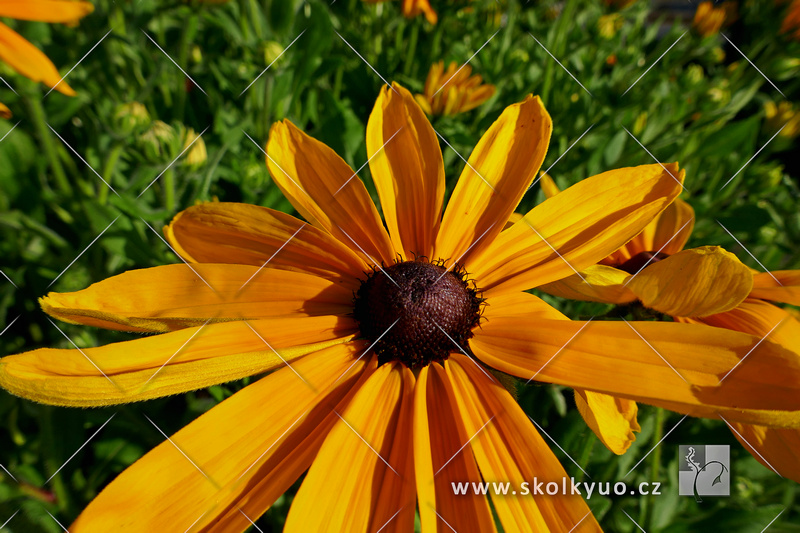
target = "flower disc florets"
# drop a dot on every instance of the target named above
(417, 312)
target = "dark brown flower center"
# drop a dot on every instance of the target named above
(635, 263)
(417, 312)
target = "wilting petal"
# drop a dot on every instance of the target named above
(407, 168)
(702, 367)
(776, 449)
(698, 282)
(369, 454)
(26, 59)
(509, 450)
(217, 232)
(597, 283)
(439, 459)
(500, 170)
(326, 191)
(45, 10)
(170, 297)
(245, 453)
(786, 289)
(583, 224)
(167, 364)
(612, 419)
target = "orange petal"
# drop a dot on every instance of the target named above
(5, 112)
(778, 286)
(407, 168)
(500, 170)
(245, 453)
(612, 419)
(323, 188)
(776, 449)
(673, 227)
(597, 283)
(45, 10)
(26, 59)
(508, 449)
(170, 297)
(221, 232)
(368, 454)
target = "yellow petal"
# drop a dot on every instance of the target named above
(5, 112)
(597, 283)
(45, 10)
(439, 459)
(26, 59)
(776, 449)
(407, 168)
(221, 232)
(584, 224)
(548, 185)
(786, 289)
(172, 363)
(508, 449)
(697, 282)
(323, 188)
(673, 227)
(612, 419)
(170, 297)
(684, 367)
(245, 453)
(500, 170)
(521, 305)
(761, 319)
(368, 454)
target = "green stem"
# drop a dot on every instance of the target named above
(52, 460)
(412, 48)
(187, 36)
(108, 172)
(655, 466)
(36, 112)
(169, 190)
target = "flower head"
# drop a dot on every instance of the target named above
(384, 421)
(710, 19)
(453, 91)
(412, 8)
(782, 118)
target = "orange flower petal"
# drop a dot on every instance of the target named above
(5, 112)
(776, 449)
(26, 59)
(597, 283)
(612, 419)
(786, 289)
(407, 168)
(760, 319)
(673, 227)
(45, 10)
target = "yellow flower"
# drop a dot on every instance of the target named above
(783, 115)
(21, 55)
(377, 383)
(453, 91)
(709, 19)
(609, 25)
(196, 155)
(412, 8)
(705, 285)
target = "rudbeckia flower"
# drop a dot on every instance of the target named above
(705, 285)
(453, 91)
(710, 19)
(21, 55)
(378, 339)
(412, 8)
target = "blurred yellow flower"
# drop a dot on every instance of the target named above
(709, 19)
(196, 155)
(609, 25)
(412, 8)
(5, 112)
(791, 22)
(453, 91)
(783, 115)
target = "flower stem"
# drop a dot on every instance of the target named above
(655, 466)
(108, 171)
(36, 112)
